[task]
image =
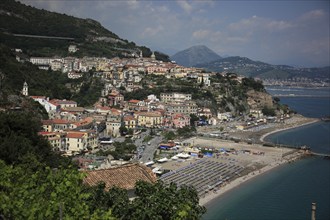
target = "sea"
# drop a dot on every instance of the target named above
(287, 192)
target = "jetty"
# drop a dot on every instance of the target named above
(320, 154)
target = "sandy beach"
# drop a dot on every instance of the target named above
(294, 122)
(254, 158)
(243, 179)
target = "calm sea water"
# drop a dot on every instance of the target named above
(288, 191)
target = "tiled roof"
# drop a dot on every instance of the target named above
(123, 177)
(60, 121)
(47, 122)
(75, 135)
(134, 101)
(128, 118)
(38, 97)
(151, 114)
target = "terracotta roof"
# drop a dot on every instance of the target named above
(128, 118)
(60, 121)
(73, 109)
(47, 122)
(151, 114)
(123, 177)
(45, 133)
(134, 101)
(74, 135)
(59, 102)
(38, 97)
(83, 122)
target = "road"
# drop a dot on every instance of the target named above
(148, 153)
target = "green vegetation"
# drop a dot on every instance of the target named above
(268, 111)
(20, 143)
(45, 193)
(186, 131)
(85, 90)
(147, 138)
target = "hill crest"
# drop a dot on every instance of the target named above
(195, 55)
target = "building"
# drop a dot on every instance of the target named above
(113, 124)
(79, 141)
(149, 119)
(180, 120)
(25, 90)
(72, 49)
(56, 139)
(129, 121)
(56, 65)
(175, 97)
(204, 78)
(56, 125)
(188, 107)
(124, 177)
(115, 98)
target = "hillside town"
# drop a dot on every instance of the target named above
(73, 129)
(76, 130)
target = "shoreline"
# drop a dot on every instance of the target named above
(314, 120)
(210, 196)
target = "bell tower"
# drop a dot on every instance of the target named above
(25, 90)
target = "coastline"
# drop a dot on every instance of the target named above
(312, 121)
(208, 198)
(302, 121)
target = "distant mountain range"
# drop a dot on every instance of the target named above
(203, 57)
(194, 56)
(247, 67)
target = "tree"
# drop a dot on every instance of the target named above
(170, 135)
(193, 119)
(122, 129)
(186, 131)
(45, 193)
(160, 201)
(19, 140)
(268, 111)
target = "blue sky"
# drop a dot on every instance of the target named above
(277, 32)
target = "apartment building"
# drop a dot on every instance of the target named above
(175, 97)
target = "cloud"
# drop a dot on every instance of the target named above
(256, 23)
(185, 6)
(201, 34)
(314, 14)
(152, 31)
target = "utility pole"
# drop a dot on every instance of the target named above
(313, 211)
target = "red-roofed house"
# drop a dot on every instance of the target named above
(180, 120)
(123, 177)
(78, 141)
(130, 121)
(56, 139)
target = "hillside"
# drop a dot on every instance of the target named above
(195, 55)
(247, 67)
(61, 30)
(13, 74)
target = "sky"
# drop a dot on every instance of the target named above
(277, 32)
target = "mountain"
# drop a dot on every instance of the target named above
(42, 33)
(247, 67)
(195, 55)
